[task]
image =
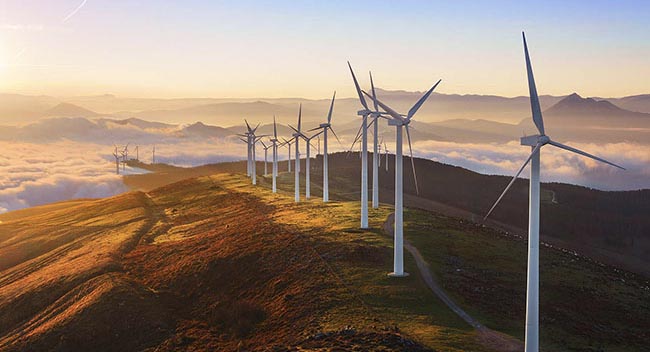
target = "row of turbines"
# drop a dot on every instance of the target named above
(370, 117)
(121, 155)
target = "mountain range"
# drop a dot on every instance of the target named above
(22, 109)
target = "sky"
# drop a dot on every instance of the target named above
(299, 48)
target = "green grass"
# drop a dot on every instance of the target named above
(583, 305)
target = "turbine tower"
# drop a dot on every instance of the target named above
(274, 143)
(288, 144)
(153, 154)
(375, 153)
(266, 149)
(326, 126)
(364, 113)
(117, 160)
(297, 135)
(307, 161)
(536, 143)
(400, 122)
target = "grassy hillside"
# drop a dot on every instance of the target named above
(215, 263)
(210, 263)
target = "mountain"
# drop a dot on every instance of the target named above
(68, 110)
(638, 103)
(202, 130)
(576, 111)
(213, 263)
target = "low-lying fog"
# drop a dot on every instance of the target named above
(39, 170)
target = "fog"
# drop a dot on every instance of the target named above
(51, 161)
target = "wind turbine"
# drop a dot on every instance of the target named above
(153, 154)
(307, 171)
(125, 155)
(137, 153)
(297, 135)
(266, 149)
(274, 143)
(288, 144)
(117, 160)
(536, 143)
(364, 113)
(400, 121)
(375, 154)
(326, 126)
(386, 155)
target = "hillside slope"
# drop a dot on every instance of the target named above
(209, 263)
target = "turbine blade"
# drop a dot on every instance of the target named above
(275, 129)
(356, 84)
(374, 95)
(314, 129)
(329, 114)
(415, 178)
(534, 99)
(299, 117)
(335, 136)
(390, 111)
(419, 103)
(356, 138)
(248, 126)
(535, 150)
(578, 151)
(256, 127)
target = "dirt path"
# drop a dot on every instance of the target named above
(487, 337)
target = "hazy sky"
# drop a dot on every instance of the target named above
(299, 48)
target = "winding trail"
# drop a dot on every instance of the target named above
(488, 337)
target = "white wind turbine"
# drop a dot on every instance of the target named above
(117, 160)
(326, 126)
(536, 142)
(364, 113)
(375, 153)
(400, 121)
(288, 143)
(274, 143)
(266, 149)
(297, 135)
(307, 161)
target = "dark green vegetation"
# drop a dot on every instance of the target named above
(613, 227)
(584, 305)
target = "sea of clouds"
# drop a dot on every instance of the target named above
(46, 165)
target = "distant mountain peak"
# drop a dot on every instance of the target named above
(68, 110)
(575, 104)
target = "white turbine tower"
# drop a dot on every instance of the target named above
(117, 160)
(364, 113)
(288, 143)
(400, 121)
(307, 161)
(536, 143)
(297, 135)
(326, 126)
(266, 150)
(375, 151)
(274, 143)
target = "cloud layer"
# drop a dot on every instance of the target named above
(557, 165)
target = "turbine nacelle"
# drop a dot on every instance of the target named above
(396, 122)
(535, 140)
(364, 112)
(324, 125)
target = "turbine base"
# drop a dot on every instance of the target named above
(394, 274)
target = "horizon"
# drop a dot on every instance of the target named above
(278, 50)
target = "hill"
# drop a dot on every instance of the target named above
(214, 263)
(68, 110)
